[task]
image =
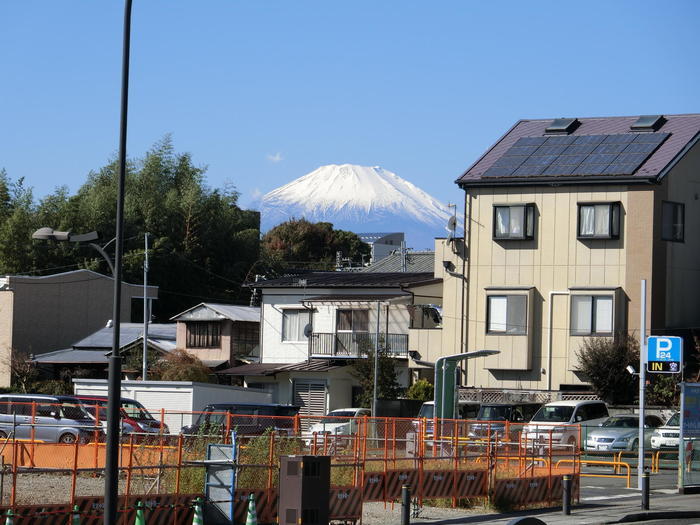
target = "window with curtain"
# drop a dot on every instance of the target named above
(506, 314)
(203, 334)
(591, 314)
(293, 323)
(599, 221)
(352, 321)
(673, 221)
(514, 222)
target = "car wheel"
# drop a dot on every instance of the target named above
(635, 445)
(67, 439)
(571, 442)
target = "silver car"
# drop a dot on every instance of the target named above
(621, 433)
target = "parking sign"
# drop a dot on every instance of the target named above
(664, 354)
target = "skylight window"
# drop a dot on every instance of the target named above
(563, 126)
(648, 123)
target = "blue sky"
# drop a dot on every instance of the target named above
(263, 92)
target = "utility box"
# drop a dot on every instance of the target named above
(305, 483)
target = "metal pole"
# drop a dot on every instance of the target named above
(642, 377)
(115, 364)
(146, 314)
(645, 491)
(566, 494)
(376, 363)
(405, 505)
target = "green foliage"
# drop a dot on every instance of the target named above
(299, 242)
(202, 243)
(53, 387)
(387, 385)
(603, 362)
(663, 390)
(421, 390)
(180, 365)
(257, 452)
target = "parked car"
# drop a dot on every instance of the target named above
(245, 418)
(561, 420)
(667, 436)
(492, 419)
(56, 419)
(621, 433)
(467, 410)
(134, 416)
(339, 422)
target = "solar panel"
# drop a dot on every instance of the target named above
(619, 154)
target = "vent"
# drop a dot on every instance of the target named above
(648, 123)
(563, 126)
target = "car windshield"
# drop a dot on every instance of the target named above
(426, 411)
(135, 410)
(287, 411)
(621, 422)
(341, 416)
(74, 411)
(557, 414)
(494, 413)
(674, 421)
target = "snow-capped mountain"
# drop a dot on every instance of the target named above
(359, 199)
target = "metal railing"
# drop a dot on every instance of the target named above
(357, 344)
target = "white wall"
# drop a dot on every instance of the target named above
(177, 398)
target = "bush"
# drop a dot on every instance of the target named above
(603, 362)
(421, 390)
(180, 365)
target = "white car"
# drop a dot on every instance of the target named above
(621, 433)
(559, 421)
(338, 422)
(667, 436)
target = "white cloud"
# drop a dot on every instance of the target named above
(277, 157)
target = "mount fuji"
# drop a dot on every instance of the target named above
(359, 199)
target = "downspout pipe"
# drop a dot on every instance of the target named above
(549, 335)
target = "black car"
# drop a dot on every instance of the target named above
(247, 419)
(492, 419)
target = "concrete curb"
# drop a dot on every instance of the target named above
(657, 515)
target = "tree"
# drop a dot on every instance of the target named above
(180, 365)
(603, 361)
(301, 243)
(421, 390)
(387, 385)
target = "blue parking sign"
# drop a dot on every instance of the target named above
(664, 354)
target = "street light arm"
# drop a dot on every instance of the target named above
(104, 256)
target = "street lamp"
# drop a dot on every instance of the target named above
(49, 234)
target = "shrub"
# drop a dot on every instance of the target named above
(421, 390)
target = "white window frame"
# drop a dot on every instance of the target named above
(527, 230)
(673, 221)
(593, 323)
(300, 334)
(590, 224)
(498, 322)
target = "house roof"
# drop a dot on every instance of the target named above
(344, 280)
(375, 237)
(682, 131)
(73, 356)
(270, 369)
(217, 311)
(416, 262)
(128, 334)
(359, 298)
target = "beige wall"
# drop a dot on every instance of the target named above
(222, 353)
(6, 320)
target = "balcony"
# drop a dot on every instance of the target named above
(357, 344)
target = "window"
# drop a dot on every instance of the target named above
(591, 314)
(203, 334)
(673, 221)
(507, 314)
(514, 222)
(353, 321)
(599, 221)
(293, 324)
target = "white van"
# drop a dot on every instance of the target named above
(561, 419)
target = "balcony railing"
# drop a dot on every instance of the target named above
(357, 344)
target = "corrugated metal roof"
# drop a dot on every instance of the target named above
(683, 130)
(227, 311)
(73, 356)
(270, 369)
(128, 333)
(344, 280)
(416, 262)
(359, 298)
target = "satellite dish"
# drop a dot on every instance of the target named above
(452, 225)
(308, 330)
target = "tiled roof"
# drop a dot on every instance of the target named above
(683, 130)
(417, 262)
(344, 280)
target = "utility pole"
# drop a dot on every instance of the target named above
(642, 377)
(376, 363)
(146, 313)
(404, 268)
